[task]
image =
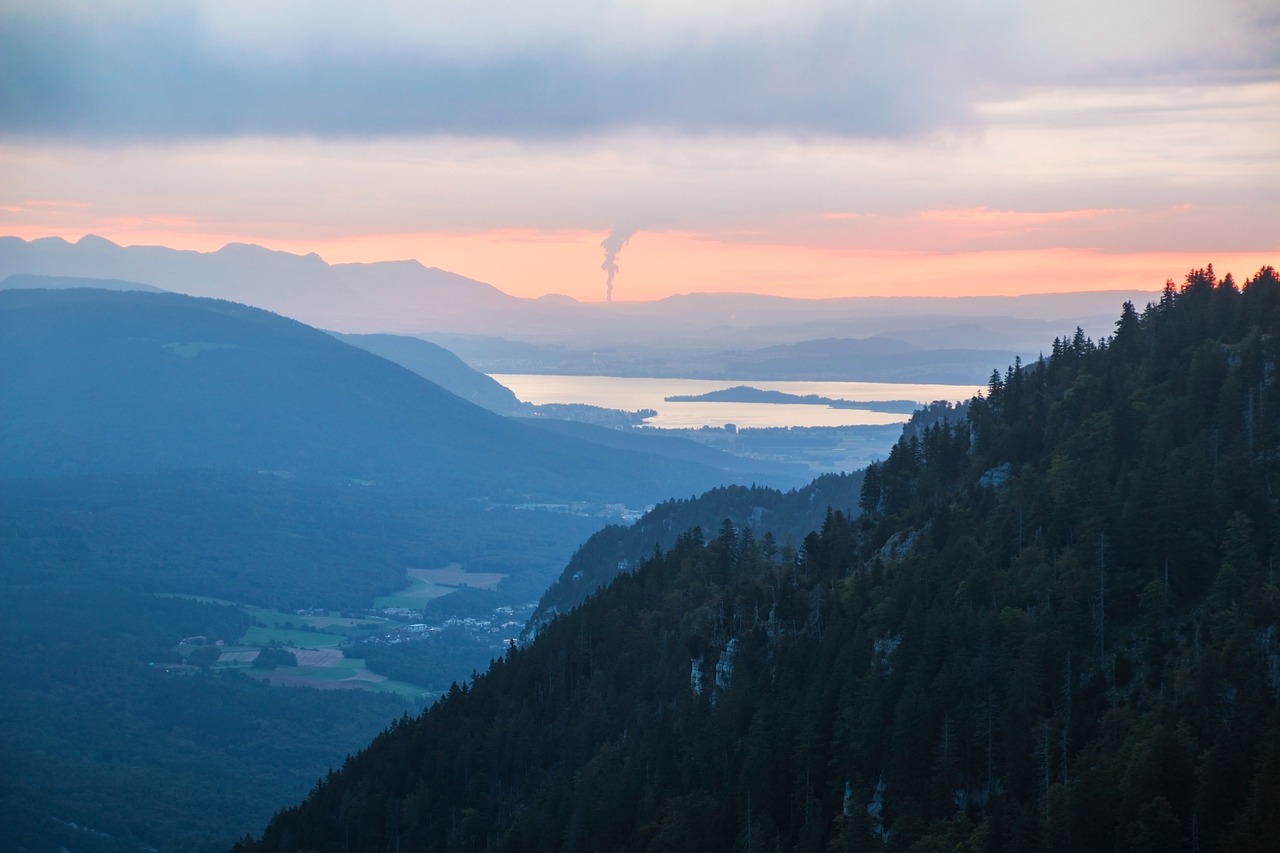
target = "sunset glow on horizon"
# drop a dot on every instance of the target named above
(657, 265)
(739, 149)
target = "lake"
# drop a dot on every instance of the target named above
(641, 393)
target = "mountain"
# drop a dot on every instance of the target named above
(1052, 627)
(408, 297)
(441, 367)
(21, 281)
(115, 382)
(871, 359)
(874, 359)
(354, 297)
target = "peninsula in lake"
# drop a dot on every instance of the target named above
(747, 394)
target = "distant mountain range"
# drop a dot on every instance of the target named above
(872, 359)
(348, 297)
(501, 333)
(26, 281)
(886, 359)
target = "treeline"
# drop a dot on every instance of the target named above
(260, 539)
(779, 518)
(1054, 626)
(432, 661)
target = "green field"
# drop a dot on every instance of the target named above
(453, 575)
(413, 598)
(345, 673)
(258, 636)
(426, 584)
(342, 624)
(301, 632)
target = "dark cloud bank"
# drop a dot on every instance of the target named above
(158, 74)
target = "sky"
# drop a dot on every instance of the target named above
(809, 148)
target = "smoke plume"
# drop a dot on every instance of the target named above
(612, 245)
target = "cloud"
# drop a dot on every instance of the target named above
(126, 69)
(1136, 149)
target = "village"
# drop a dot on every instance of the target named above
(392, 646)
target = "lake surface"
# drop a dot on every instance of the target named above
(639, 393)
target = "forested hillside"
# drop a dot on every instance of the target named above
(779, 519)
(1053, 627)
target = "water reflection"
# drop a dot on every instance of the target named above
(644, 393)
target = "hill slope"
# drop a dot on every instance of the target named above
(99, 381)
(778, 519)
(1053, 627)
(441, 367)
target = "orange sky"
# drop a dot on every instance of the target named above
(529, 263)
(1104, 162)
(1042, 200)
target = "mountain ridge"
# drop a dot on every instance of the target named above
(177, 381)
(397, 296)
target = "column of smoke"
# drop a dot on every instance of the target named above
(612, 245)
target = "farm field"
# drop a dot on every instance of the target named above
(321, 664)
(316, 638)
(426, 584)
(453, 575)
(329, 670)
